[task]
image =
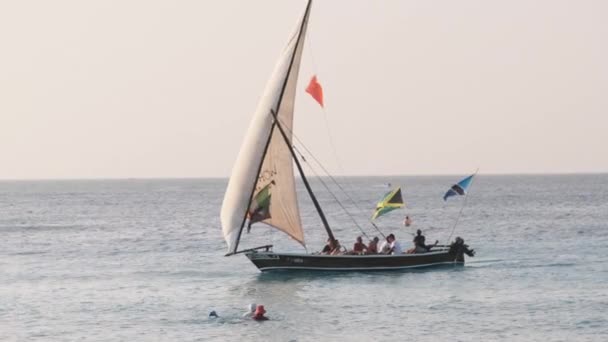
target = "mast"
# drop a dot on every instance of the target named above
(238, 237)
(275, 123)
(305, 181)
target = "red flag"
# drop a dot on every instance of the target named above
(315, 90)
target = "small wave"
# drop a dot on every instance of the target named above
(42, 227)
(229, 319)
(484, 261)
(523, 263)
(489, 263)
(555, 264)
(29, 253)
(558, 264)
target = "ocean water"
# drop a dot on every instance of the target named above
(142, 260)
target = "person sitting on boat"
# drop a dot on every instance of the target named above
(338, 248)
(259, 314)
(385, 247)
(391, 246)
(332, 247)
(329, 246)
(359, 247)
(395, 245)
(372, 247)
(419, 243)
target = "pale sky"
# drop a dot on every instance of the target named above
(120, 89)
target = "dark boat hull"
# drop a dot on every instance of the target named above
(269, 261)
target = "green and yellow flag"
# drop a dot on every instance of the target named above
(391, 201)
(260, 206)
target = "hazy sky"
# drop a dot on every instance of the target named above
(167, 88)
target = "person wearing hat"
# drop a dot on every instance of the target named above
(250, 310)
(259, 314)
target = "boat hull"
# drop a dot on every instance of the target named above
(270, 261)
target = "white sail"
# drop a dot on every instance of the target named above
(264, 164)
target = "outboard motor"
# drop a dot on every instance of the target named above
(458, 248)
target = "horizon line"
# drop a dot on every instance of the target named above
(324, 176)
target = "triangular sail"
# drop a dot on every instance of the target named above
(262, 184)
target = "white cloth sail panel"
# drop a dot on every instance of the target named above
(277, 168)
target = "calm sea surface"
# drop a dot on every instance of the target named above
(142, 260)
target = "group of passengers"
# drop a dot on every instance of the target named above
(389, 246)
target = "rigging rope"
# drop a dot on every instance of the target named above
(331, 139)
(334, 151)
(353, 202)
(330, 177)
(329, 190)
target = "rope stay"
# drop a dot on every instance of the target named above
(331, 192)
(331, 178)
(353, 202)
(335, 155)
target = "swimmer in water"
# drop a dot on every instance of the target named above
(251, 311)
(259, 314)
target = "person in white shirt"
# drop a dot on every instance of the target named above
(391, 246)
(395, 246)
(385, 247)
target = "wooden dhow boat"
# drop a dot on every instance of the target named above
(262, 187)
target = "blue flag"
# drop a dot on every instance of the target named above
(459, 188)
